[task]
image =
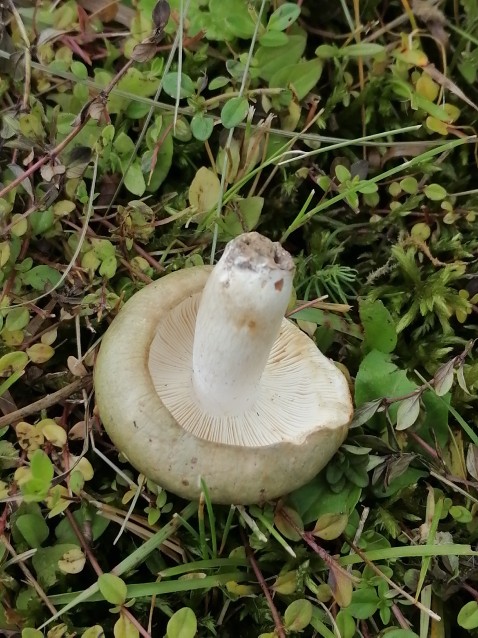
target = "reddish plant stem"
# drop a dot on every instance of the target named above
(308, 538)
(3, 518)
(126, 612)
(325, 556)
(425, 446)
(83, 542)
(402, 621)
(471, 590)
(260, 579)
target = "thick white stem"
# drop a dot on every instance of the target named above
(239, 318)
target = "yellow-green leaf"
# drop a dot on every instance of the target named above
(113, 588)
(40, 352)
(298, 615)
(330, 526)
(72, 562)
(13, 361)
(124, 628)
(182, 624)
(204, 190)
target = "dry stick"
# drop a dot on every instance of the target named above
(29, 576)
(394, 586)
(260, 578)
(45, 402)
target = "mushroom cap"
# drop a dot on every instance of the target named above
(141, 425)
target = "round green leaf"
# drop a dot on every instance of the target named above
(298, 615)
(326, 51)
(301, 77)
(468, 616)
(284, 16)
(40, 277)
(346, 624)
(17, 319)
(201, 127)
(171, 84)
(113, 588)
(378, 325)
(41, 466)
(41, 221)
(435, 192)
(461, 514)
(182, 624)
(14, 361)
(273, 39)
(134, 180)
(234, 111)
(364, 603)
(342, 173)
(79, 69)
(409, 185)
(33, 528)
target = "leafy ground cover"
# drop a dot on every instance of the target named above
(136, 139)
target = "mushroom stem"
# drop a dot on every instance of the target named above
(239, 318)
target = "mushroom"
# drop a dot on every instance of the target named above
(200, 376)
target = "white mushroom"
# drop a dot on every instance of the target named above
(201, 377)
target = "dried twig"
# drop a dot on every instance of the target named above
(46, 402)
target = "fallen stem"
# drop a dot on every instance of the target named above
(45, 402)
